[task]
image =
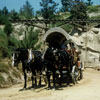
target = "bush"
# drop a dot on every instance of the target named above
(67, 27)
(3, 44)
(8, 28)
(92, 9)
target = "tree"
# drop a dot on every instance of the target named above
(8, 28)
(3, 44)
(0, 12)
(14, 14)
(48, 9)
(79, 10)
(27, 11)
(5, 11)
(30, 39)
(66, 4)
(38, 13)
(89, 2)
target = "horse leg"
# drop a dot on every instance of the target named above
(25, 80)
(35, 79)
(48, 79)
(61, 77)
(32, 81)
(40, 79)
(54, 85)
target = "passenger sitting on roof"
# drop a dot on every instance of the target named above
(63, 47)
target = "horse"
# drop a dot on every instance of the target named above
(50, 66)
(29, 63)
(65, 62)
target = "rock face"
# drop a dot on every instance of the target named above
(90, 46)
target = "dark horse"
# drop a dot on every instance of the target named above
(50, 66)
(34, 65)
(64, 62)
(58, 60)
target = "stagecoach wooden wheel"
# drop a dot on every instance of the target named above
(74, 74)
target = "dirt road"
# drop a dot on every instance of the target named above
(86, 89)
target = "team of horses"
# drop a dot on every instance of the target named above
(53, 62)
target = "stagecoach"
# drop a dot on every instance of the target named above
(61, 43)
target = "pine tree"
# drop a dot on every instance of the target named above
(14, 14)
(66, 4)
(5, 11)
(79, 10)
(30, 39)
(27, 11)
(89, 2)
(48, 9)
(8, 28)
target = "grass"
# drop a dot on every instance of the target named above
(10, 80)
(1, 80)
(16, 74)
(11, 73)
(3, 68)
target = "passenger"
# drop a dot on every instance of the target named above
(63, 47)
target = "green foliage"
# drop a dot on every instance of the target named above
(89, 2)
(13, 14)
(3, 20)
(38, 14)
(66, 4)
(48, 9)
(67, 27)
(95, 17)
(5, 11)
(27, 11)
(79, 11)
(8, 28)
(13, 42)
(38, 46)
(30, 39)
(3, 44)
(92, 9)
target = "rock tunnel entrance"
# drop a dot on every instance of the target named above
(55, 37)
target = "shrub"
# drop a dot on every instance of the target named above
(92, 9)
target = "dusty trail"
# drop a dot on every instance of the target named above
(86, 89)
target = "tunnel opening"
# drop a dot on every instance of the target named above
(56, 39)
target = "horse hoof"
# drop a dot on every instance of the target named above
(32, 88)
(48, 88)
(22, 89)
(53, 89)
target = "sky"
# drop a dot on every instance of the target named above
(17, 4)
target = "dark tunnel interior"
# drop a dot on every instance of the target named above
(55, 39)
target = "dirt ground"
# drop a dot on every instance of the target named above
(86, 89)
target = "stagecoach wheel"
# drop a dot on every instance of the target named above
(81, 74)
(74, 74)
